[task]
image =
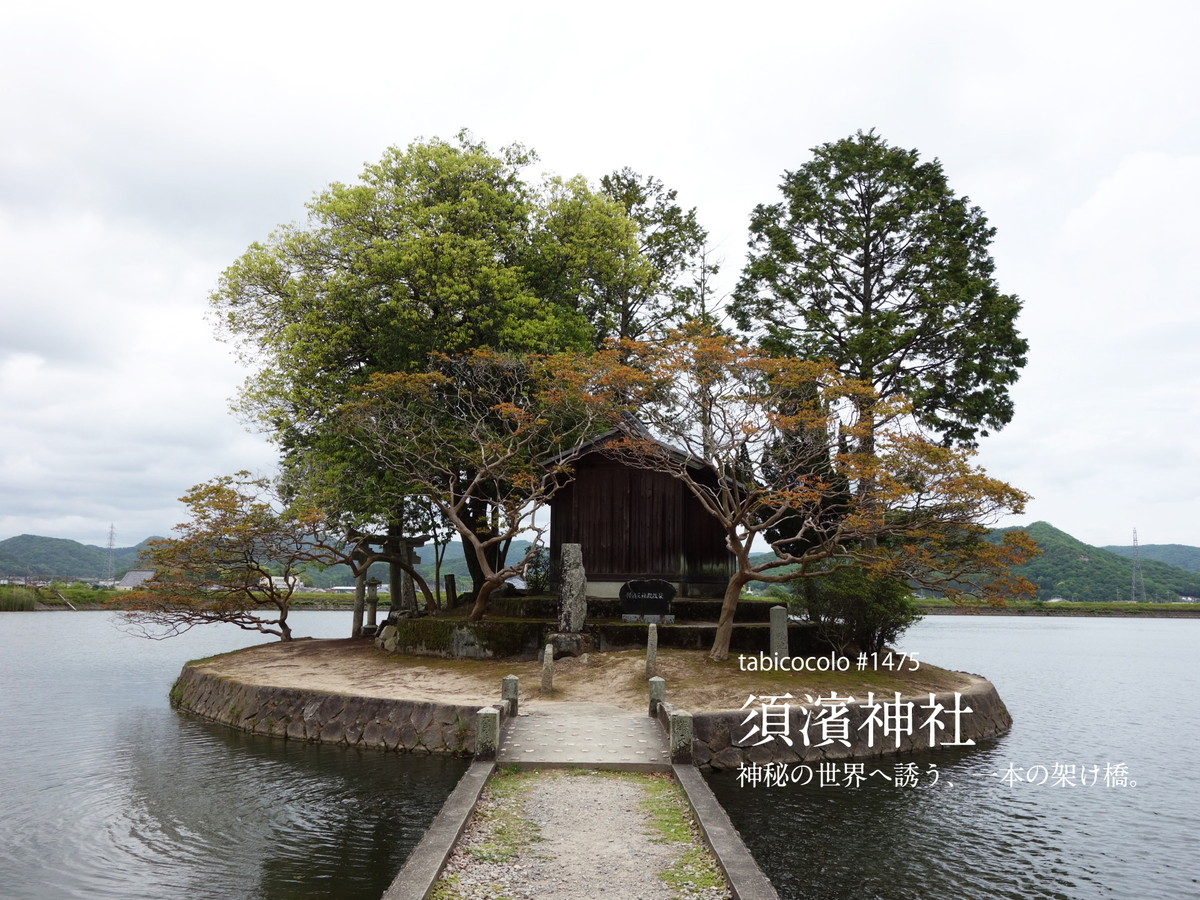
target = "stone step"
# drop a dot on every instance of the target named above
(685, 609)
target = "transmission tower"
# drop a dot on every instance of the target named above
(1137, 587)
(111, 562)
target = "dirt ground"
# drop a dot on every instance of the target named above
(618, 679)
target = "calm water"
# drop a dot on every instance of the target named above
(105, 792)
(1087, 692)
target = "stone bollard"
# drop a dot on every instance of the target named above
(652, 651)
(510, 690)
(487, 733)
(779, 632)
(548, 669)
(681, 736)
(658, 693)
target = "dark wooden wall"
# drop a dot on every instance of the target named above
(634, 523)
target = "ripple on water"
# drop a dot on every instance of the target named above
(109, 794)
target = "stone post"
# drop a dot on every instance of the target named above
(779, 632)
(572, 610)
(510, 690)
(681, 736)
(658, 693)
(372, 601)
(360, 601)
(487, 733)
(652, 651)
(451, 592)
(548, 669)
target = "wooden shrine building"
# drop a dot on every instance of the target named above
(633, 524)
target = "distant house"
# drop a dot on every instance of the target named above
(134, 578)
(634, 523)
(280, 583)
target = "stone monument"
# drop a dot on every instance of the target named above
(647, 600)
(570, 640)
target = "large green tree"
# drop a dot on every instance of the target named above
(673, 243)
(440, 247)
(872, 261)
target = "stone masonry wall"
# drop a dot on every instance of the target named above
(376, 722)
(720, 740)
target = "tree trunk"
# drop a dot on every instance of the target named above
(481, 600)
(422, 585)
(431, 604)
(360, 600)
(733, 592)
(479, 514)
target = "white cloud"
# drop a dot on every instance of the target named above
(146, 145)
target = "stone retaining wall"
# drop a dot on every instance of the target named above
(720, 740)
(307, 715)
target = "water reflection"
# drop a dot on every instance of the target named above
(1084, 693)
(109, 794)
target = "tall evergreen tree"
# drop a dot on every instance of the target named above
(872, 261)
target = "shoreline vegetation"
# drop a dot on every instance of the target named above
(42, 598)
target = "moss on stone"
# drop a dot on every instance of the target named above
(501, 638)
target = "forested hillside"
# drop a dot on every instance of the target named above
(31, 556)
(1072, 570)
(1178, 555)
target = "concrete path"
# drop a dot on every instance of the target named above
(583, 734)
(567, 734)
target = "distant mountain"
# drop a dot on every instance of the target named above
(1067, 568)
(1072, 570)
(30, 556)
(1178, 555)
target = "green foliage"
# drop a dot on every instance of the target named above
(856, 611)
(672, 243)
(1072, 570)
(537, 571)
(440, 247)
(16, 599)
(85, 594)
(696, 869)
(870, 260)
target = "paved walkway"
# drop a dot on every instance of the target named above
(583, 734)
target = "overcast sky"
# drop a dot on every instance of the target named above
(143, 146)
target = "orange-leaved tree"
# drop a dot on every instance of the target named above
(237, 560)
(487, 439)
(773, 450)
